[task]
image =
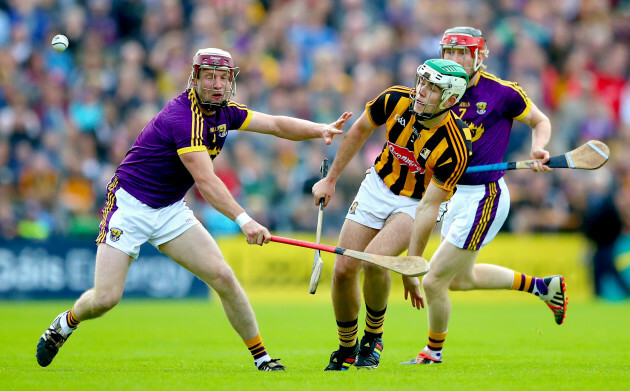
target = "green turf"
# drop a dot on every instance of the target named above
(493, 344)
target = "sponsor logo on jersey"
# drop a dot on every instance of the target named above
(406, 157)
(115, 233)
(481, 107)
(400, 119)
(353, 207)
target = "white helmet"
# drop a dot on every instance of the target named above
(446, 74)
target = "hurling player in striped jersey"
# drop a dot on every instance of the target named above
(480, 206)
(145, 201)
(426, 151)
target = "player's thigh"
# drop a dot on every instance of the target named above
(394, 238)
(353, 236)
(448, 261)
(127, 223)
(465, 278)
(111, 270)
(198, 252)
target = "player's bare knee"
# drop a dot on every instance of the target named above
(222, 279)
(105, 301)
(374, 271)
(433, 285)
(461, 284)
(346, 269)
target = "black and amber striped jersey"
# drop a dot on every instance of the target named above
(152, 171)
(414, 156)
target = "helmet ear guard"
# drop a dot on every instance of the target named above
(445, 74)
(217, 60)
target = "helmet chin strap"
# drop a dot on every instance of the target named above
(209, 106)
(475, 73)
(424, 117)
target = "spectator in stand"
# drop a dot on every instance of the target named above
(132, 55)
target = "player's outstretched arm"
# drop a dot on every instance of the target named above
(351, 143)
(218, 195)
(295, 128)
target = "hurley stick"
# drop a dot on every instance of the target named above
(318, 263)
(589, 156)
(412, 266)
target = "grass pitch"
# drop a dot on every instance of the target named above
(505, 341)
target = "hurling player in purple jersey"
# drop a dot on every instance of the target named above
(145, 200)
(480, 206)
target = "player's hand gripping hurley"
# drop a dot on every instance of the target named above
(412, 266)
(318, 264)
(589, 156)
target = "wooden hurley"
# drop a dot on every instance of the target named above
(589, 156)
(318, 263)
(412, 266)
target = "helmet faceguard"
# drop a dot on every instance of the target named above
(217, 60)
(468, 39)
(448, 75)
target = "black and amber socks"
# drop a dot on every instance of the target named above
(348, 332)
(374, 322)
(436, 341)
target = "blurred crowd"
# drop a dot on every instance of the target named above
(68, 118)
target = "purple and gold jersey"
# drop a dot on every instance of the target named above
(152, 171)
(489, 108)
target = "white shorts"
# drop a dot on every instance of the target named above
(476, 214)
(375, 202)
(128, 223)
